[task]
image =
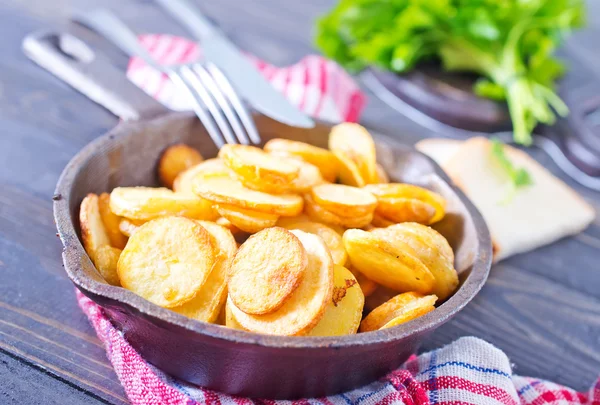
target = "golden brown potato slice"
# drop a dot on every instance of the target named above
(93, 231)
(174, 160)
(380, 222)
(348, 171)
(382, 176)
(320, 214)
(230, 320)
(344, 200)
(224, 222)
(367, 285)
(229, 191)
(308, 176)
(145, 203)
(259, 170)
(378, 297)
(332, 239)
(400, 309)
(208, 168)
(344, 311)
(210, 300)
(247, 220)
(307, 304)
(107, 258)
(167, 261)
(111, 222)
(409, 191)
(394, 265)
(266, 270)
(129, 226)
(431, 248)
(354, 142)
(289, 222)
(405, 210)
(321, 158)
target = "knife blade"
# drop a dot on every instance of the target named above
(247, 80)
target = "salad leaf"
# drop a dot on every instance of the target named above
(510, 43)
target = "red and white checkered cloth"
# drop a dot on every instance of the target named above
(468, 371)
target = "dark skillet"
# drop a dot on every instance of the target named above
(224, 359)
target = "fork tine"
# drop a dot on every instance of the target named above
(204, 116)
(238, 106)
(194, 81)
(221, 99)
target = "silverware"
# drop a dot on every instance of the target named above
(214, 99)
(246, 79)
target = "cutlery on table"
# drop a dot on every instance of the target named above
(247, 80)
(214, 99)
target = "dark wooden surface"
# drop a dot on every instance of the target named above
(541, 308)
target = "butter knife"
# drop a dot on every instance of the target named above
(247, 80)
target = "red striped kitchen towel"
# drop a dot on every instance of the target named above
(468, 371)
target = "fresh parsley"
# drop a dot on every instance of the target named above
(518, 176)
(510, 43)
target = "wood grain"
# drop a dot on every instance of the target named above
(542, 308)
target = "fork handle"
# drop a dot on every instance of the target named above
(191, 17)
(113, 29)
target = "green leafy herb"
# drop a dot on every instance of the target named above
(509, 42)
(519, 177)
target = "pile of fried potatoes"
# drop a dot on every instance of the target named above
(291, 239)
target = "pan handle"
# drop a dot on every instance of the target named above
(74, 62)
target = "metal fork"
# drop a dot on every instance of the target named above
(214, 99)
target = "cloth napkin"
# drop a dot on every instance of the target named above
(468, 371)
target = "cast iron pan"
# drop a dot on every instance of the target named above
(213, 356)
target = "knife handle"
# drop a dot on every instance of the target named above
(113, 29)
(191, 17)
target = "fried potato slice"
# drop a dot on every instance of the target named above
(348, 171)
(320, 214)
(354, 142)
(174, 160)
(380, 222)
(401, 190)
(344, 200)
(224, 222)
(167, 261)
(307, 304)
(400, 309)
(431, 248)
(323, 159)
(111, 222)
(367, 285)
(259, 170)
(247, 220)
(93, 231)
(382, 176)
(332, 238)
(394, 265)
(344, 311)
(266, 270)
(229, 191)
(208, 168)
(145, 203)
(230, 320)
(107, 258)
(289, 222)
(210, 300)
(378, 297)
(308, 176)
(129, 226)
(405, 210)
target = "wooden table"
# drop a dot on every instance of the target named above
(541, 308)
